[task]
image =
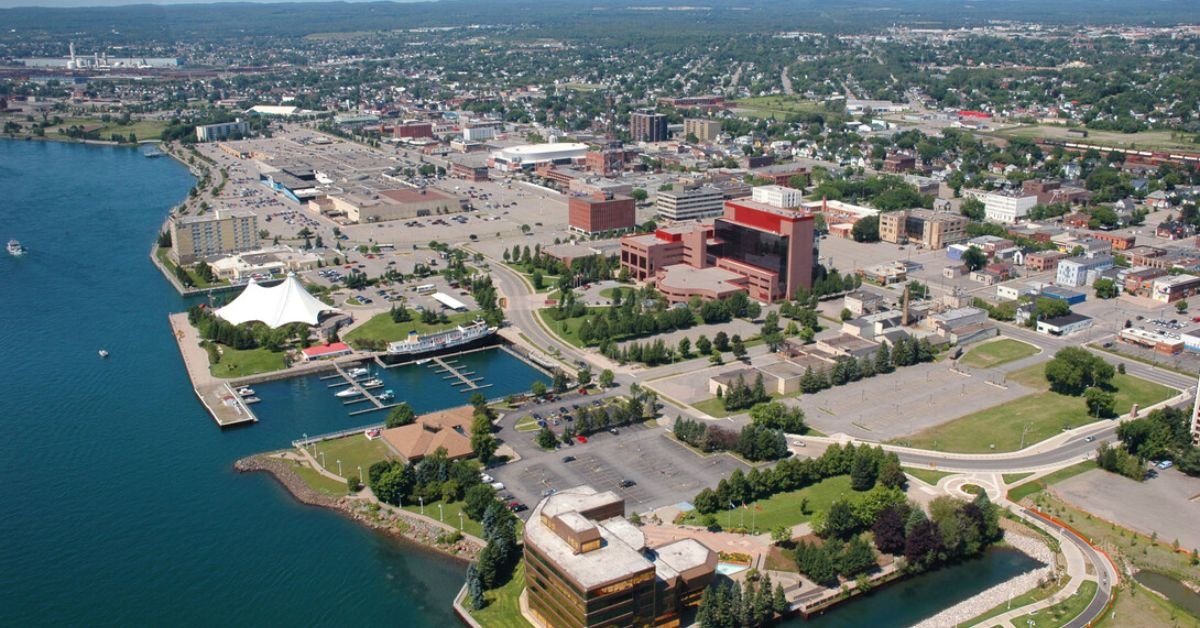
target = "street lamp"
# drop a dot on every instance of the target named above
(322, 459)
(440, 517)
(460, 521)
(422, 505)
(360, 475)
(339, 463)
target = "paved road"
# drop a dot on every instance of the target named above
(1104, 571)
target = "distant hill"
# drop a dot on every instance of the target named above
(568, 18)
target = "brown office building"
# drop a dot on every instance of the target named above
(931, 229)
(647, 126)
(586, 565)
(601, 212)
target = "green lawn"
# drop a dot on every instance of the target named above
(1044, 414)
(1064, 611)
(997, 352)
(626, 292)
(354, 451)
(1013, 478)
(381, 328)
(197, 280)
(1029, 488)
(503, 604)
(783, 509)
(1145, 140)
(320, 483)
(927, 476)
(450, 513)
(1138, 607)
(716, 408)
(243, 362)
(780, 106)
(1029, 597)
(526, 424)
(567, 329)
(144, 129)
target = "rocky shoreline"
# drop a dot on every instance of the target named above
(990, 598)
(393, 521)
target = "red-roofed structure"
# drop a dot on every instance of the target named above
(326, 351)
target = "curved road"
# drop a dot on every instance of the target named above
(1105, 572)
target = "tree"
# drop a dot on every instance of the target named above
(857, 557)
(889, 531)
(972, 208)
(721, 341)
(475, 587)
(1074, 369)
(863, 470)
(974, 258)
(639, 195)
(477, 500)
(866, 229)
(546, 438)
(840, 522)
(1099, 403)
(846, 314)
(606, 378)
(584, 376)
(1105, 288)
(1181, 306)
(538, 388)
(685, 347)
(402, 414)
(737, 347)
(353, 483)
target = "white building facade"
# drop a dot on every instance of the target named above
(1006, 209)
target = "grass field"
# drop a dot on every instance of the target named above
(381, 327)
(609, 293)
(567, 329)
(144, 129)
(1039, 416)
(927, 476)
(526, 424)
(1140, 608)
(780, 106)
(354, 451)
(783, 509)
(1066, 610)
(197, 280)
(243, 362)
(1145, 140)
(1029, 488)
(503, 604)
(997, 352)
(320, 483)
(450, 514)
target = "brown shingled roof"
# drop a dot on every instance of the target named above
(431, 431)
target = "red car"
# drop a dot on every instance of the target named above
(581, 439)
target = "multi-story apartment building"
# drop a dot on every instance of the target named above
(223, 232)
(1007, 209)
(224, 130)
(704, 130)
(777, 196)
(647, 126)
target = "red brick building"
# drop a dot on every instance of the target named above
(601, 212)
(414, 130)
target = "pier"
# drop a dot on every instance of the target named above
(364, 391)
(464, 377)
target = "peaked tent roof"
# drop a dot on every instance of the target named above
(276, 306)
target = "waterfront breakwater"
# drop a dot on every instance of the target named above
(393, 521)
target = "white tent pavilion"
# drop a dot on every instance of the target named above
(276, 306)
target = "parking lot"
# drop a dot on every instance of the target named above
(1168, 503)
(657, 470)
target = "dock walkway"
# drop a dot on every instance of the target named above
(464, 377)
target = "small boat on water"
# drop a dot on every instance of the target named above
(386, 395)
(374, 381)
(250, 400)
(358, 372)
(349, 392)
(246, 391)
(15, 249)
(103, 353)
(423, 361)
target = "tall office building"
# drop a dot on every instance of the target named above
(690, 203)
(586, 565)
(647, 126)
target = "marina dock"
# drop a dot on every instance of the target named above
(464, 377)
(364, 392)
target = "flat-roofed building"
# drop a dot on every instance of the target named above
(704, 130)
(777, 196)
(1007, 209)
(679, 283)
(528, 157)
(413, 130)
(646, 125)
(1175, 287)
(222, 131)
(774, 248)
(602, 212)
(644, 254)
(398, 204)
(934, 230)
(693, 203)
(223, 232)
(586, 565)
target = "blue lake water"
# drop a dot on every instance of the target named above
(120, 505)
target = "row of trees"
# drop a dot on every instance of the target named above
(825, 562)
(753, 442)
(793, 474)
(846, 369)
(247, 335)
(434, 477)
(499, 557)
(1164, 434)
(755, 603)
(741, 395)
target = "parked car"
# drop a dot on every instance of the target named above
(516, 506)
(568, 459)
(487, 479)
(499, 486)
(627, 483)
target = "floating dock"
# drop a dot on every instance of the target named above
(364, 392)
(455, 372)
